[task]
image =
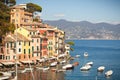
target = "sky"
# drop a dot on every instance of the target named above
(79, 10)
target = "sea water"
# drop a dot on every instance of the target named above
(102, 53)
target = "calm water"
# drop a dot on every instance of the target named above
(101, 52)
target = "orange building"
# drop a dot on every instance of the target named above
(19, 16)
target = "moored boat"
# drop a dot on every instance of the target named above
(108, 73)
(68, 66)
(85, 54)
(85, 68)
(53, 64)
(77, 56)
(100, 69)
(64, 61)
(90, 63)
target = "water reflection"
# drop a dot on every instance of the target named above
(41, 75)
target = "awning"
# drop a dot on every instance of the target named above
(8, 63)
(26, 62)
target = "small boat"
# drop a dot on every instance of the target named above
(46, 68)
(43, 68)
(53, 64)
(85, 68)
(62, 62)
(90, 63)
(100, 69)
(6, 74)
(28, 69)
(61, 70)
(68, 66)
(77, 56)
(85, 54)
(108, 73)
(4, 78)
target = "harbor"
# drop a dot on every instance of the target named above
(95, 59)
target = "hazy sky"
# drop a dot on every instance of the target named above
(79, 10)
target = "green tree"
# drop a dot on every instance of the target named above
(33, 7)
(71, 43)
(5, 25)
(9, 2)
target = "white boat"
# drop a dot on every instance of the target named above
(85, 54)
(85, 68)
(61, 70)
(28, 69)
(7, 74)
(53, 64)
(62, 62)
(46, 68)
(90, 63)
(4, 78)
(100, 69)
(68, 66)
(108, 73)
(77, 56)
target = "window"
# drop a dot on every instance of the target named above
(37, 40)
(29, 43)
(19, 50)
(19, 43)
(24, 51)
(19, 57)
(29, 56)
(14, 45)
(29, 51)
(37, 48)
(7, 45)
(0, 56)
(32, 48)
(11, 45)
(30, 33)
(13, 57)
(32, 55)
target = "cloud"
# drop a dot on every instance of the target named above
(59, 15)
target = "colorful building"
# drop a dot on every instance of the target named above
(31, 40)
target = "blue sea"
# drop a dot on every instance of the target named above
(101, 52)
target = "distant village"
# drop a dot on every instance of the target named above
(31, 40)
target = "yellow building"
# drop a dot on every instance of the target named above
(17, 45)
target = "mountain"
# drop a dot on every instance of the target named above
(87, 30)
